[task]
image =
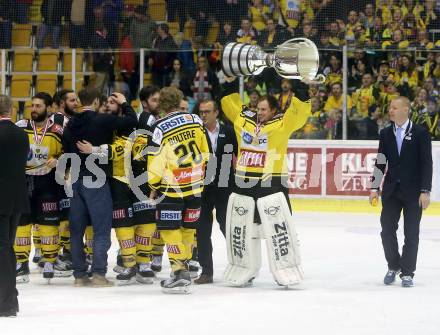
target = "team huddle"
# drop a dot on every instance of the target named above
(155, 165)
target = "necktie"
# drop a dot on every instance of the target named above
(399, 139)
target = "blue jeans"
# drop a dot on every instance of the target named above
(46, 29)
(94, 205)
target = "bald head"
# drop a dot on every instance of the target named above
(399, 110)
(404, 101)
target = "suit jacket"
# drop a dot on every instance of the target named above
(412, 169)
(226, 136)
(14, 150)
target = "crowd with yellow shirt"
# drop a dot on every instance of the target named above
(393, 50)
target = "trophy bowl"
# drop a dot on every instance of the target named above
(297, 58)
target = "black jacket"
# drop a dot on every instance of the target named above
(164, 53)
(371, 129)
(52, 11)
(6, 9)
(98, 129)
(226, 145)
(280, 36)
(14, 150)
(412, 169)
(184, 82)
(101, 60)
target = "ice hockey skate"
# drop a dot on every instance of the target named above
(178, 284)
(193, 267)
(127, 276)
(48, 272)
(22, 273)
(119, 268)
(62, 269)
(37, 256)
(156, 264)
(66, 257)
(145, 275)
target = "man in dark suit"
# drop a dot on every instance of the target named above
(14, 149)
(405, 148)
(219, 183)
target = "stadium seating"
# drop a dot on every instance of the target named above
(67, 82)
(157, 10)
(14, 114)
(22, 35)
(67, 60)
(27, 109)
(148, 79)
(48, 60)
(23, 61)
(46, 83)
(20, 88)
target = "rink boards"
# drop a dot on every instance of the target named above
(335, 175)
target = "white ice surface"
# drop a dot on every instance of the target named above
(342, 293)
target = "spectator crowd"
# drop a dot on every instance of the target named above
(393, 49)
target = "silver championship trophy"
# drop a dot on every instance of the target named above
(297, 58)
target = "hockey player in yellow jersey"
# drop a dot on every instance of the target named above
(65, 102)
(177, 155)
(261, 178)
(144, 209)
(45, 135)
(121, 194)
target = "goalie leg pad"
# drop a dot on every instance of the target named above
(244, 251)
(282, 244)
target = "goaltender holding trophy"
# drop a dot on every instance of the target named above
(297, 58)
(262, 211)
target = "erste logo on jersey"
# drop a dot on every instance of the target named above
(175, 122)
(170, 215)
(143, 206)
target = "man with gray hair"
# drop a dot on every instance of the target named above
(14, 149)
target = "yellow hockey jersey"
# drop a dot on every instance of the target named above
(262, 151)
(118, 155)
(44, 143)
(177, 157)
